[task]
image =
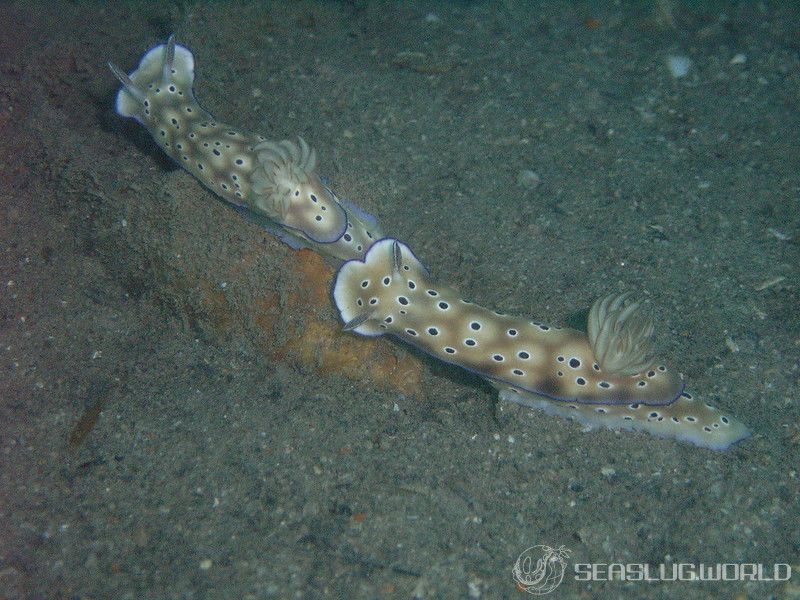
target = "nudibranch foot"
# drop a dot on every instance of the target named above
(288, 237)
(390, 291)
(273, 180)
(687, 419)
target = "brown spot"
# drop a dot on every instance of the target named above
(217, 308)
(86, 423)
(316, 339)
(294, 320)
(98, 394)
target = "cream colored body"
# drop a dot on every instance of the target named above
(532, 364)
(276, 181)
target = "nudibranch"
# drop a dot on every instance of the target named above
(274, 183)
(607, 378)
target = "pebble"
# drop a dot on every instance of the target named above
(529, 179)
(679, 65)
(608, 471)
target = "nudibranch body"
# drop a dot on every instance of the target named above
(275, 182)
(544, 367)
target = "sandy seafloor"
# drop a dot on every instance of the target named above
(214, 471)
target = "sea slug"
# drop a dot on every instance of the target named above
(275, 183)
(605, 379)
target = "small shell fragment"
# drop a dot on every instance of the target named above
(771, 282)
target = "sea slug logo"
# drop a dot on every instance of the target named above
(540, 569)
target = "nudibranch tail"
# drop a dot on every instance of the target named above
(273, 180)
(687, 419)
(389, 291)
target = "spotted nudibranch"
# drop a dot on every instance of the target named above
(604, 379)
(274, 183)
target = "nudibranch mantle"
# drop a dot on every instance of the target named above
(537, 365)
(277, 182)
